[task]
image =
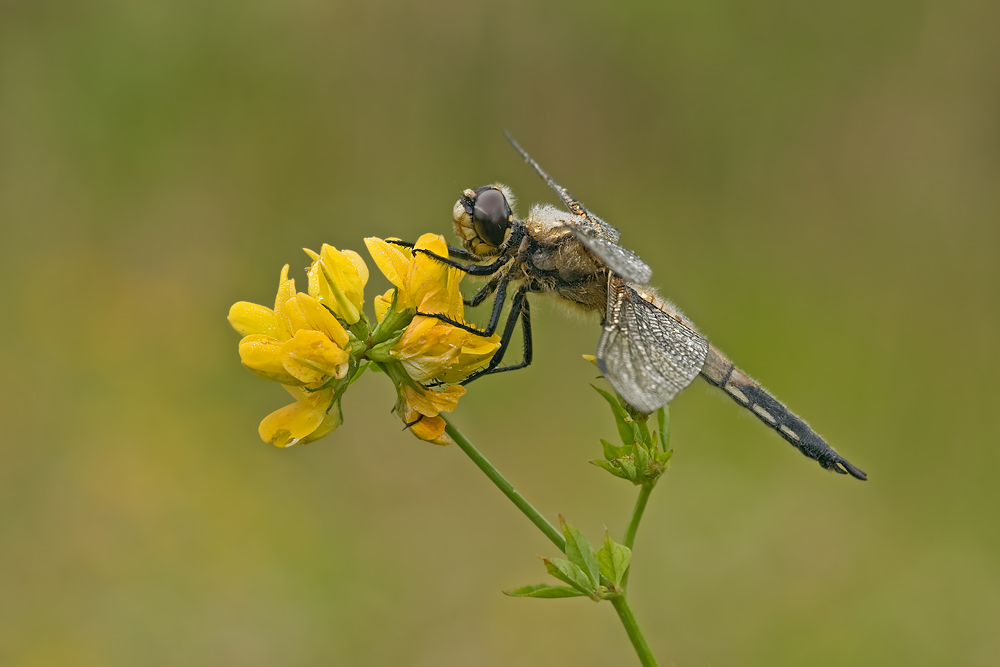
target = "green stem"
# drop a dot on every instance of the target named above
(633, 526)
(619, 601)
(508, 489)
(634, 633)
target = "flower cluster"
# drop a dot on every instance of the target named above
(317, 343)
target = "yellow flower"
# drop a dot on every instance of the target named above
(429, 349)
(421, 411)
(337, 278)
(312, 416)
(422, 283)
(301, 345)
(432, 350)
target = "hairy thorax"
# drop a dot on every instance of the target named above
(557, 262)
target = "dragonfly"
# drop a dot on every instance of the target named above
(649, 350)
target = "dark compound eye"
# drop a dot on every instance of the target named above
(491, 216)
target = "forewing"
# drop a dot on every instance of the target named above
(622, 261)
(646, 355)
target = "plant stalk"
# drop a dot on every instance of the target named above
(619, 602)
(634, 633)
(506, 487)
(633, 526)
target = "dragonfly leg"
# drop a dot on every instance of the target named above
(519, 308)
(491, 327)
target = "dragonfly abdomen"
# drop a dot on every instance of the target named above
(743, 389)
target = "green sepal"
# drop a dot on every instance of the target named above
(361, 369)
(610, 467)
(642, 433)
(544, 591)
(356, 347)
(641, 458)
(383, 351)
(614, 560)
(610, 451)
(398, 375)
(362, 328)
(579, 551)
(569, 573)
(628, 467)
(393, 321)
(625, 426)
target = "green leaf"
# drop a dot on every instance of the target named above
(614, 560)
(579, 551)
(544, 591)
(611, 468)
(569, 573)
(610, 451)
(625, 429)
(663, 420)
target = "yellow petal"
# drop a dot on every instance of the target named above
(250, 318)
(430, 402)
(431, 429)
(382, 304)
(456, 307)
(394, 262)
(418, 337)
(425, 368)
(289, 425)
(286, 290)
(428, 279)
(426, 428)
(330, 422)
(262, 353)
(311, 357)
(434, 243)
(359, 265)
(319, 318)
(341, 277)
(295, 315)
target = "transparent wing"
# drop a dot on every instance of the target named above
(622, 261)
(646, 355)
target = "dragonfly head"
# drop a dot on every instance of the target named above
(483, 217)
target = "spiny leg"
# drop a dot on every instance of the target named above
(487, 289)
(491, 327)
(505, 255)
(457, 253)
(518, 309)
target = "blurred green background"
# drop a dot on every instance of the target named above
(815, 184)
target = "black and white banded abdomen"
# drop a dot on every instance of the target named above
(743, 389)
